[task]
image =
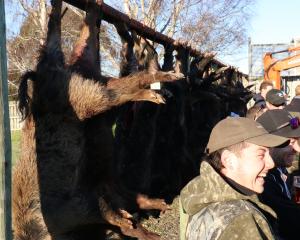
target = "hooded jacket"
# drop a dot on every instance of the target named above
(259, 100)
(219, 212)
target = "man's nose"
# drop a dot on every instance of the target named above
(269, 161)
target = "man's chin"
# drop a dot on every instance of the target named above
(259, 188)
(259, 191)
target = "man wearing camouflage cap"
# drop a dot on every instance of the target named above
(222, 202)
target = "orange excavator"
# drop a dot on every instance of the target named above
(273, 66)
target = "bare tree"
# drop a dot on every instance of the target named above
(211, 25)
(23, 47)
(218, 26)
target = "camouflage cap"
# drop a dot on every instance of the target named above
(231, 131)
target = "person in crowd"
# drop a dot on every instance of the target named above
(275, 99)
(294, 106)
(278, 189)
(260, 97)
(255, 111)
(222, 202)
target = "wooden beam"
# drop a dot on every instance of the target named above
(5, 143)
(112, 15)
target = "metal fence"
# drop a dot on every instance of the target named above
(14, 116)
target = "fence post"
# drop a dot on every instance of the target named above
(5, 142)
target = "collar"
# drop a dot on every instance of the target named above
(241, 189)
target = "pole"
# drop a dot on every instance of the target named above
(5, 143)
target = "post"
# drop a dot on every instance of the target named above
(5, 143)
(250, 59)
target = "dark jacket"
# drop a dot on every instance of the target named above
(288, 212)
(294, 107)
(259, 100)
(219, 212)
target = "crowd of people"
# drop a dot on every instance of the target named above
(244, 190)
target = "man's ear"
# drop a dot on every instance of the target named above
(228, 160)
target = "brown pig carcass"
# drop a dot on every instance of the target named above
(52, 197)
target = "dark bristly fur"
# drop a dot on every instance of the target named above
(51, 195)
(24, 99)
(161, 153)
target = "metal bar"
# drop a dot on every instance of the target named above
(281, 51)
(5, 143)
(249, 57)
(269, 44)
(287, 50)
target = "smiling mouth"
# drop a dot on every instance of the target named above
(260, 178)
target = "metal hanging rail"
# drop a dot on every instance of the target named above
(111, 15)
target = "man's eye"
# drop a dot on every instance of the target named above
(262, 152)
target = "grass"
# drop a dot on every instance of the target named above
(15, 145)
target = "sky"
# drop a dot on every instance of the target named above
(273, 21)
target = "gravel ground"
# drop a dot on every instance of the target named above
(167, 225)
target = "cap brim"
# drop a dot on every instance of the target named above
(278, 104)
(288, 132)
(268, 140)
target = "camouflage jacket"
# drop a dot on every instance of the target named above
(218, 212)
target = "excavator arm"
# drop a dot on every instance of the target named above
(273, 66)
